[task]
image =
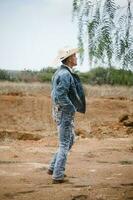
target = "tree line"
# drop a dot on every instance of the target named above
(96, 76)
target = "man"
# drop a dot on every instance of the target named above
(67, 98)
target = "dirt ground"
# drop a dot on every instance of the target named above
(99, 166)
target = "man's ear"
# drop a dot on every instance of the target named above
(70, 59)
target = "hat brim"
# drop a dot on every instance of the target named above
(58, 59)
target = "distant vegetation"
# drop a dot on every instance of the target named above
(110, 76)
(4, 75)
(96, 76)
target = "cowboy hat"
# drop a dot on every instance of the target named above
(64, 53)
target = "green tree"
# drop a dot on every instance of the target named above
(4, 75)
(45, 75)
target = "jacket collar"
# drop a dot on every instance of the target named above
(66, 67)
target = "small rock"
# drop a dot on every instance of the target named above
(81, 133)
(128, 123)
(129, 130)
(15, 156)
(123, 117)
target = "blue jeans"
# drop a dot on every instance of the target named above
(65, 124)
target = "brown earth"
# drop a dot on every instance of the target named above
(99, 167)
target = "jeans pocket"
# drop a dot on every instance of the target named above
(58, 117)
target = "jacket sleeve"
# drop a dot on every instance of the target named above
(63, 86)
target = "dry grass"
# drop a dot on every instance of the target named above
(121, 92)
(9, 88)
(106, 91)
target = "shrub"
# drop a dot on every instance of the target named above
(4, 75)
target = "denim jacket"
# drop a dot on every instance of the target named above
(67, 91)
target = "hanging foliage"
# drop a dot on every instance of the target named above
(109, 34)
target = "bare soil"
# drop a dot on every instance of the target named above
(99, 166)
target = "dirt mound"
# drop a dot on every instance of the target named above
(127, 121)
(122, 127)
(20, 135)
(28, 116)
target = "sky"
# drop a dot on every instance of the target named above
(32, 32)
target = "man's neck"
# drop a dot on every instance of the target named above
(70, 68)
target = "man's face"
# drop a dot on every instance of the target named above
(73, 60)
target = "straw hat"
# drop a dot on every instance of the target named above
(64, 53)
